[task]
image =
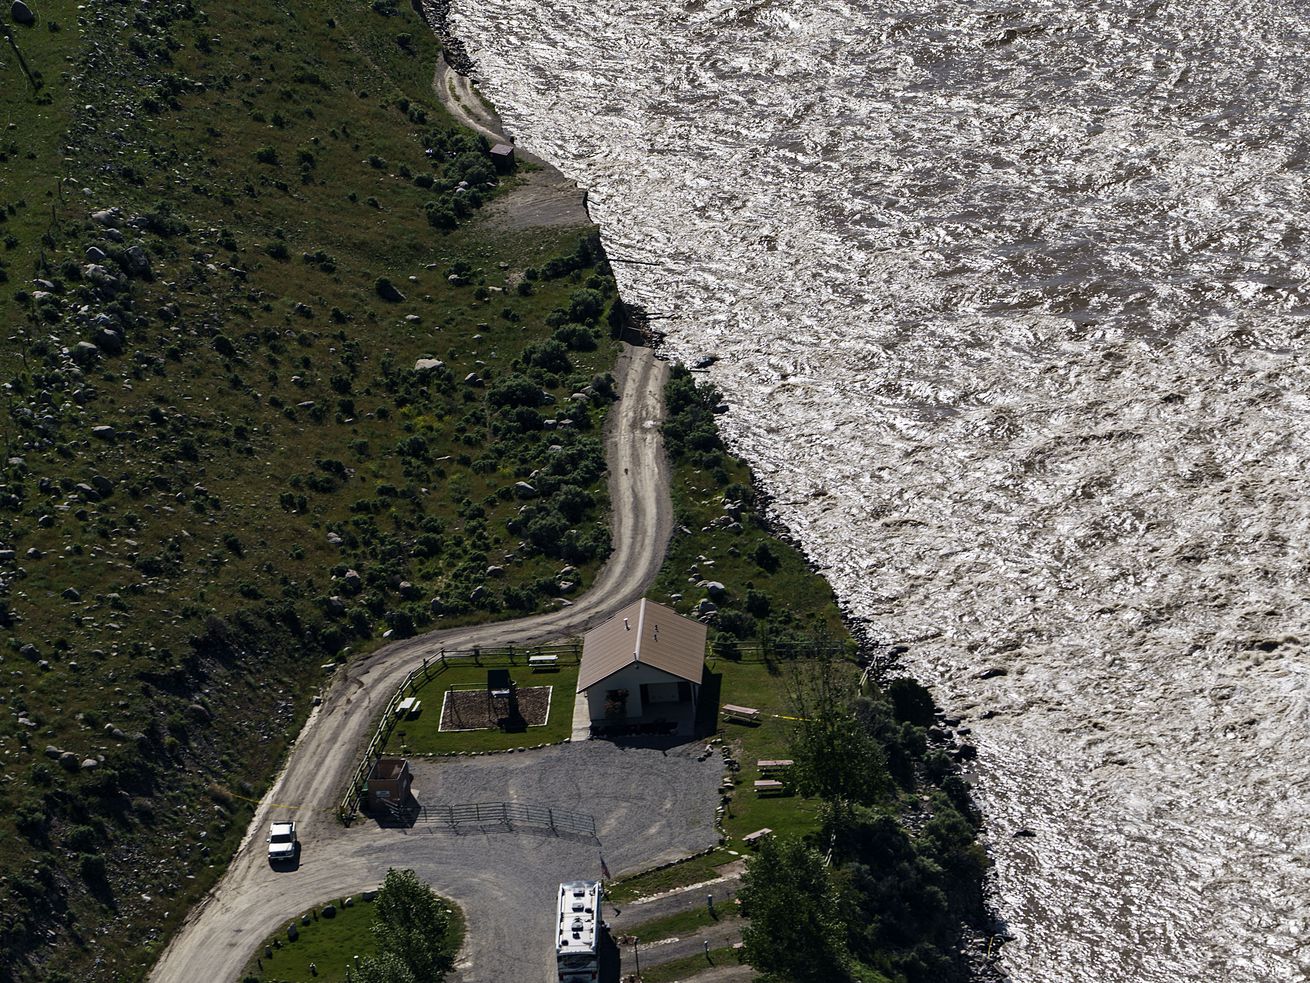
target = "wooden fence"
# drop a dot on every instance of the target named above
(775, 650)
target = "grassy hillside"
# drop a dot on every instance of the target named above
(230, 231)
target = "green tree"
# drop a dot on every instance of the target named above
(795, 933)
(764, 557)
(911, 702)
(411, 923)
(385, 967)
(836, 757)
(585, 306)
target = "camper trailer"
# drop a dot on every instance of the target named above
(577, 932)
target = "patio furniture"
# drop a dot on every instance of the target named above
(743, 715)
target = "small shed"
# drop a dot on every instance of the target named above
(502, 157)
(388, 784)
(645, 662)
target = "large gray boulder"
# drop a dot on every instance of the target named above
(84, 353)
(136, 263)
(108, 341)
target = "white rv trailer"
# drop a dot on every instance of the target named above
(577, 932)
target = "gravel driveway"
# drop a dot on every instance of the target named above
(650, 806)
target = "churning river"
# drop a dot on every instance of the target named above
(1010, 302)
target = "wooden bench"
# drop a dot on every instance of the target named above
(743, 715)
(538, 662)
(753, 839)
(408, 707)
(770, 766)
(765, 786)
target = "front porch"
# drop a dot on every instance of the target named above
(659, 720)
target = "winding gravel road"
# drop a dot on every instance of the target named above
(250, 900)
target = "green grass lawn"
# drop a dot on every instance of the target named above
(691, 966)
(693, 870)
(420, 735)
(764, 686)
(330, 944)
(683, 923)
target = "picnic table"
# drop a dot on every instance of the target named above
(765, 785)
(536, 662)
(742, 714)
(751, 839)
(408, 706)
(773, 764)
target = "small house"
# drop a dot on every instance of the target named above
(502, 158)
(644, 664)
(389, 784)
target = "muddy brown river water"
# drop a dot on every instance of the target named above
(1010, 305)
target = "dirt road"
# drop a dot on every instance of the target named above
(249, 901)
(542, 195)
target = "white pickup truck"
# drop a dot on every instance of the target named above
(282, 842)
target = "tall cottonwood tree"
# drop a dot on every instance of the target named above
(796, 933)
(836, 757)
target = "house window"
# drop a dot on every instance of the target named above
(659, 693)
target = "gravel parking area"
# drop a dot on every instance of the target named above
(650, 807)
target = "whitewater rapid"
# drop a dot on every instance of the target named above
(1010, 305)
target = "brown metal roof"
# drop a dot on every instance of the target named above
(643, 632)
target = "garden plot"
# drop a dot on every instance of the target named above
(476, 709)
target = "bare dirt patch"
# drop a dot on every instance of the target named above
(474, 709)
